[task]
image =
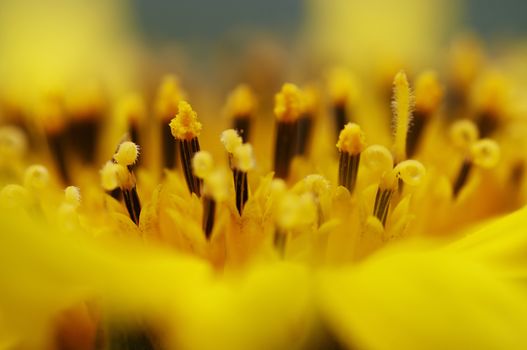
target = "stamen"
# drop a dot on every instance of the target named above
(240, 105)
(293, 212)
(52, 116)
(428, 95)
(342, 90)
(36, 177)
(186, 128)
(490, 99)
(213, 191)
(350, 144)
(72, 196)
(125, 157)
(231, 140)
(109, 179)
(86, 108)
(132, 111)
(305, 122)
(288, 105)
(243, 161)
(166, 106)
(410, 172)
(402, 112)
(484, 153)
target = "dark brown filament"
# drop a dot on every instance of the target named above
(187, 149)
(169, 147)
(209, 213)
(382, 204)
(415, 132)
(133, 205)
(340, 116)
(462, 177)
(58, 146)
(348, 170)
(241, 188)
(84, 135)
(285, 147)
(242, 124)
(305, 126)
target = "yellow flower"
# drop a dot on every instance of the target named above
(348, 220)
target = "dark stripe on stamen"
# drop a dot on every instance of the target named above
(462, 177)
(415, 132)
(285, 146)
(340, 117)
(209, 213)
(487, 124)
(241, 189)
(305, 125)
(83, 137)
(133, 205)
(169, 148)
(58, 145)
(348, 170)
(382, 204)
(242, 125)
(188, 148)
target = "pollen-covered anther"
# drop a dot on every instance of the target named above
(185, 126)
(231, 140)
(350, 144)
(127, 153)
(36, 177)
(485, 153)
(402, 111)
(288, 103)
(351, 139)
(296, 211)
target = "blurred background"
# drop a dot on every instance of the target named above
(51, 43)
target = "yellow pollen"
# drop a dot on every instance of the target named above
(428, 92)
(185, 126)
(127, 153)
(231, 140)
(36, 177)
(402, 110)
(351, 139)
(244, 158)
(241, 102)
(314, 183)
(109, 180)
(410, 171)
(288, 103)
(202, 164)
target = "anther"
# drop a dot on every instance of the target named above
(288, 106)
(489, 97)
(351, 143)
(186, 128)
(428, 96)
(241, 104)
(125, 157)
(166, 106)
